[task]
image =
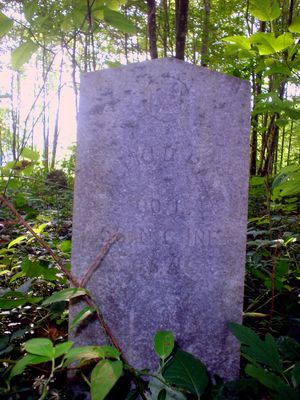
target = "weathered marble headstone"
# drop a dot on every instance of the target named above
(162, 159)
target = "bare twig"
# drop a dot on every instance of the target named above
(55, 257)
(104, 249)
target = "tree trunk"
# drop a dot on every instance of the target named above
(257, 80)
(291, 11)
(282, 147)
(181, 14)
(152, 28)
(74, 68)
(253, 145)
(14, 121)
(264, 143)
(290, 143)
(205, 34)
(56, 126)
(44, 120)
(166, 32)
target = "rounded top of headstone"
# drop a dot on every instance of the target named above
(170, 64)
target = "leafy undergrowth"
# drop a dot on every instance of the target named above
(28, 276)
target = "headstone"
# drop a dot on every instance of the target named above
(162, 159)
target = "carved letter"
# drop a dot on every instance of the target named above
(169, 153)
(145, 236)
(147, 155)
(155, 206)
(141, 205)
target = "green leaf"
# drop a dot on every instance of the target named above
(164, 343)
(86, 353)
(261, 351)
(17, 240)
(4, 342)
(162, 395)
(267, 43)
(156, 385)
(64, 295)
(22, 54)
(282, 267)
(29, 359)
(286, 392)
(289, 348)
(278, 69)
(40, 347)
(186, 372)
(19, 333)
(282, 42)
(104, 376)
(241, 41)
(119, 21)
(296, 374)
(65, 246)
(295, 25)
(4, 272)
(84, 313)
(29, 8)
(291, 187)
(30, 154)
(12, 299)
(264, 10)
(34, 269)
(115, 4)
(98, 14)
(5, 24)
(281, 122)
(111, 352)
(265, 378)
(62, 348)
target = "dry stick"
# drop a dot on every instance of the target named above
(74, 282)
(55, 257)
(98, 259)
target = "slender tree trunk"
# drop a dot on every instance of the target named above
(255, 125)
(257, 80)
(290, 143)
(126, 47)
(282, 147)
(205, 34)
(74, 69)
(152, 29)
(291, 11)
(86, 51)
(44, 119)
(56, 126)
(90, 36)
(181, 16)
(166, 27)
(264, 143)
(253, 145)
(14, 120)
(126, 42)
(194, 48)
(272, 138)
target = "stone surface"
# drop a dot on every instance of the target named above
(163, 159)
